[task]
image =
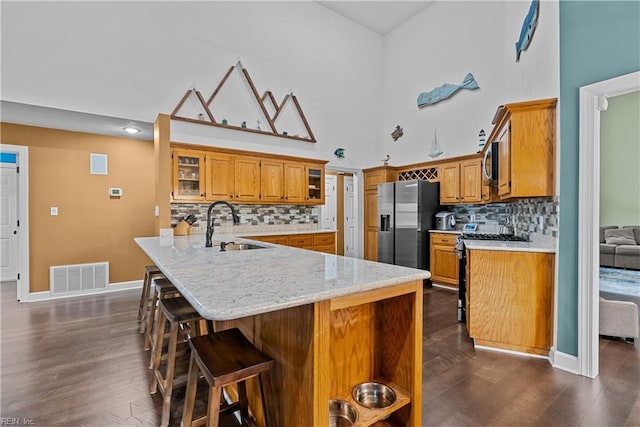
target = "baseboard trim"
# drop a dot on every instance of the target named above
(515, 353)
(564, 362)
(113, 287)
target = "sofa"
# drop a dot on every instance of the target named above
(620, 247)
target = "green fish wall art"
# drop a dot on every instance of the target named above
(339, 153)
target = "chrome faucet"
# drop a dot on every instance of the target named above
(209, 234)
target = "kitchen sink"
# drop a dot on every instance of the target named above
(239, 246)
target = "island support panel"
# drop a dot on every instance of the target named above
(322, 350)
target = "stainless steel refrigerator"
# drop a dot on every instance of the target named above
(406, 212)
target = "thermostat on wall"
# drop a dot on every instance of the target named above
(115, 192)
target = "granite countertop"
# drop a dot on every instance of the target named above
(446, 231)
(233, 284)
(546, 246)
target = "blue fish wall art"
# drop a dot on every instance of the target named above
(446, 91)
(339, 153)
(528, 28)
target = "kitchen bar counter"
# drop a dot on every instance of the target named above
(233, 284)
(328, 322)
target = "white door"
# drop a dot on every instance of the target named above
(350, 218)
(8, 222)
(330, 208)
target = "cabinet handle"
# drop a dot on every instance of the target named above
(231, 195)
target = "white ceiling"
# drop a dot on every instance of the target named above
(378, 16)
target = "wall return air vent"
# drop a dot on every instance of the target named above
(236, 104)
(78, 278)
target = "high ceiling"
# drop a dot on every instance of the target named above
(378, 16)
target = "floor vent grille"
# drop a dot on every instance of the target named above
(64, 279)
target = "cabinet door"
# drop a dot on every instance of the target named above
(371, 244)
(272, 181)
(188, 176)
(504, 161)
(444, 263)
(295, 181)
(219, 176)
(371, 225)
(315, 184)
(247, 179)
(471, 181)
(449, 183)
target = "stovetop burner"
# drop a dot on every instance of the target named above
(497, 237)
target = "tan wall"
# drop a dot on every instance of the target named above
(90, 227)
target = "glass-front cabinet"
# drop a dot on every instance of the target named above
(188, 176)
(315, 184)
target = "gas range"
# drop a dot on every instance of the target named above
(496, 237)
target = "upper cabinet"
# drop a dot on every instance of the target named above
(220, 177)
(460, 182)
(247, 179)
(188, 176)
(315, 184)
(526, 133)
(201, 175)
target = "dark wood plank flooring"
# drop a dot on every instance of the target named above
(80, 362)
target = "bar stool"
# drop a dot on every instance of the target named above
(224, 358)
(180, 314)
(162, 289)
(151, 272)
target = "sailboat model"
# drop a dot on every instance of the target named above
(435, 147)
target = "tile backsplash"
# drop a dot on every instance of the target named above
(530, 218)
(252, 217)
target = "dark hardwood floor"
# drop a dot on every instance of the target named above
(80, 362)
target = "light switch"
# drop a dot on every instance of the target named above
(54, 211)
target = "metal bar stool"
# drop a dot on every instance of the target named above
(224, 358)
(162, 288)
(180, 314)
(151, 272)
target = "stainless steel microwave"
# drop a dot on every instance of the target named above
(490, 162)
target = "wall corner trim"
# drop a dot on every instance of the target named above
(563, 361)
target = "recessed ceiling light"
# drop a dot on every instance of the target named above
(131, 130)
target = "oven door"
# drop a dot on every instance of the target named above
(462, 279)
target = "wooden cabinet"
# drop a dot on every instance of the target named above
(510, 300)
(201, 175)
(294, 182)
(220, 177)
(373, 177)
(461, 182)
(526, 132)
(247, 179)
(321, 241)
(272, 181)
(188, 175)
(449, 174)
(444, 264)
(315, 184)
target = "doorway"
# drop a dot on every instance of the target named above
(340, 211)
(14, 206)
(593, 100)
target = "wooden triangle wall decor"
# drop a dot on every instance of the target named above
(196, 110)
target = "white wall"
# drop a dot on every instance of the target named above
(136, 59)
(444, 43)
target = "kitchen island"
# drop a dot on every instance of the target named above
(329, 322)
